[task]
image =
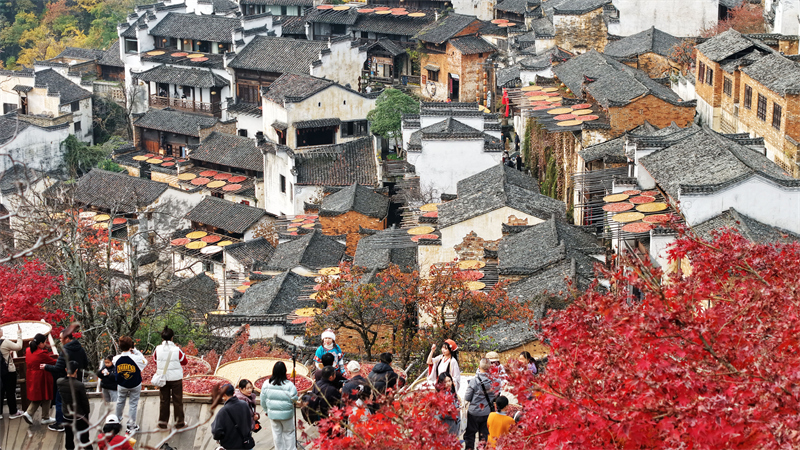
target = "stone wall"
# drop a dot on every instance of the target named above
(654, 110)
(581, 33)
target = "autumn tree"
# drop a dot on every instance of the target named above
(26, 290)
(745, 18)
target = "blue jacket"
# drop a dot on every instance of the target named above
(278, 401)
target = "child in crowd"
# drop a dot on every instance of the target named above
(108, 379)
(110, 437)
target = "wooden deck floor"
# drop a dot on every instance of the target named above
(18, 435)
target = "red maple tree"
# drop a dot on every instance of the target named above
(25, 290)
(705, 359)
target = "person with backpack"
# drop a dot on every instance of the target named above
(8, 374)
(355, 385)
(71, 350)
(278, 397)
(231, 427)
(326, 391)
(481, 394)
(383, 377)
(76, 408)
(169, 363)
(129, 365)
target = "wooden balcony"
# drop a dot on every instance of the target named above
(185, 104)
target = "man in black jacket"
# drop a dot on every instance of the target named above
(76, 407)
(326, 390)
(356, 385)
(383, 376)
(231, 427)
(71, 350)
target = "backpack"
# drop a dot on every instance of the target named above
(4, 362)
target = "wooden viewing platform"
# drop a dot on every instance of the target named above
(15, 433)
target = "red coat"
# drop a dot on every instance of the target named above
(39, 382)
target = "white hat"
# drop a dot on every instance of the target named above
(328, 334)
(353, 367)
(112, 419)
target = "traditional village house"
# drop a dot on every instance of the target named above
(304, 111)
(676, 17)
(531, 67)
(110, 79)
(47, 99)
(241, 256)
(235, 220)
(294, 178)
(377, 250)
(520, 12)
(541, 37)
(305, 254)
(265, 59)
(73, 63)
(450, 141)
(286, 8)
(143, 213)
(579, 26)
(349, 210)
(169, 133)
(412, 4)
(649, 51)
(782, 16)
(37, 144)
(453, 59)
(743, 86)
(487, 200)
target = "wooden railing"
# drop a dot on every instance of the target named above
(185, 104)
(109, 89)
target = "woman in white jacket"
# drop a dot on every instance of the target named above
(278, 397)
(172, 359)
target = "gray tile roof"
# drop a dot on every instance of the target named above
(293, 25)
(776, 72)
(338, 165)
(197, 294)
(708, 161)
(111, 56)
(317, 123)
(471, 45)
(247, 253)
(390, 46)
(10, 127)
(224, 6)
(493, 189)
(572, 7)
(312, 251)
(280, 294)
(281, 55)
(504, 336)
(117, 192)
(729, 43)
(611, 151)
(279, 2)
(87, 54)
(229, 150)
(610, 82)
(178, 122)
(203, 78)
(346, 17)
(17, 178)
(226, 215)
(57, 85)
(390, 24)
(543, 28)
(443, 29)
(356, 198)
(514, 6)
(294, 87)
(752, 229)
(545, 244)
(201, 28)
(374, 253)
(650, 40)
(507, 75)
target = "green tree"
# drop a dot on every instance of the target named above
(80, 157)
(386, 118)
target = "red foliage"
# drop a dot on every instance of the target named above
(190, 349)
(745, 18)
(25, 290)
(706, 361)
(241, 348)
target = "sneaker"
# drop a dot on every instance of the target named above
(132, 428)
(48, 421)
(56, 427)
(27, 418)
(16, 415)
(1, 417)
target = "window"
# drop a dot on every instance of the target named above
(8, 107)
(77, 127)
(762, 108)
(243, 133)
(338, 29)
(777, 111)
(74, 106)
(748, 97)
(433, 75)
(131, 46)
(709, 76)
(283, 184)
(354, 128)
(701, 72)
(248, 93)
(208, 267)
(727, 87)
(218, 195)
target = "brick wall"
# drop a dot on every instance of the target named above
(728, 102)
(773, 138)
(711, 94)
(654, 110)
(581, 33)
(788, 46)
(351, 343)
(472, 247)
(654, 65)
(348, 224)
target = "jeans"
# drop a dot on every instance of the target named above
(122, 394)
(476, 424)
(172, 390)
(59, 413)
(109, 396)
(283, 434)
(82, 429)
(9, 392)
